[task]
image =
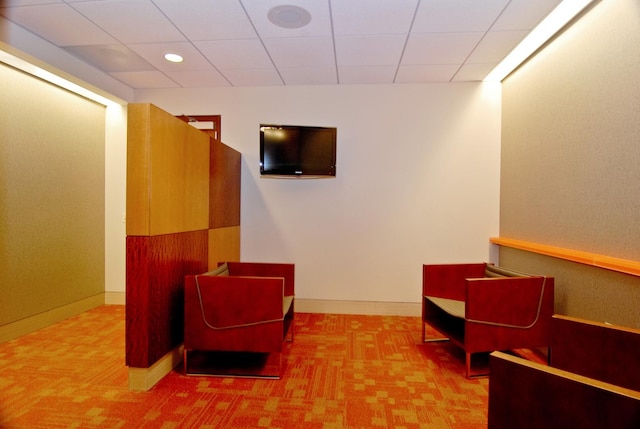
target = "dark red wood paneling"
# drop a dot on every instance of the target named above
(137, 295)
(526, 395)
(605, 352)
(156, 267)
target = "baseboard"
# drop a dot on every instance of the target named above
(327, 306)
(38, 321)
(115, 298)
(374, 308)
(143, 379)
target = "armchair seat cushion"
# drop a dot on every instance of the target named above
(452, 306)
(286, 304)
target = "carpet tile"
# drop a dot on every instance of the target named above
(341, 371)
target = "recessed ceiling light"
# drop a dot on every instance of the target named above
(289, 16)
(174, 58)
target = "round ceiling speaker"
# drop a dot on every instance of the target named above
(289, 16)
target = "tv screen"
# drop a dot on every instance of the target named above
(290, 150)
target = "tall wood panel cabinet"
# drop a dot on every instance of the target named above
(183, 216)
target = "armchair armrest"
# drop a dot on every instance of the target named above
(232, 302)
(511, 302)
(448, 280)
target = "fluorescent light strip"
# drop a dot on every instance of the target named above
(43, 74)
(549, 26)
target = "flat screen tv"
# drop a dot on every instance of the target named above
(290, 150)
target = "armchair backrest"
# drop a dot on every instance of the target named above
(264, 269)
(448, 280)
(513, 302)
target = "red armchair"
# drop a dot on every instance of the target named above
(484, 308)
(240, 307)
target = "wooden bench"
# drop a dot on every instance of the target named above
(593, 381)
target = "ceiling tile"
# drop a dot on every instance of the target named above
(10, 3)
(524, 14)
(59, 24)
(495, 46)
(253, 77)
(369, 50)
(232, 42)
(235, 54)
(198, 78)
(309, 76)
(145, 79)
(209, 20)
(154, 54)
(456, 15)
(426, 73)
(364, 17)
(320, 24)
(111, 58)
(303, 52)
(131, 21)
(473, 72)
(367, 74)
(440, 48)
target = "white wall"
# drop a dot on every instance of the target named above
(417, 181)
(115, 200)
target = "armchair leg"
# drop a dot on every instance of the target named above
(288, 333)
(467, 359)
(291, 329)
(291, 332)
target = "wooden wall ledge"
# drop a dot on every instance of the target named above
(601, 261)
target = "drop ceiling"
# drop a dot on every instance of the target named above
(233, 42)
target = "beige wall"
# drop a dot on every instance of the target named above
(52, 181)
(570, 173)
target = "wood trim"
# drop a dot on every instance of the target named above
(593, 259)
(595, 323)
(213, 132)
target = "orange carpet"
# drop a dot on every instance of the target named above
(341, 371)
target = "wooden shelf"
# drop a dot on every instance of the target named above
(601, 261)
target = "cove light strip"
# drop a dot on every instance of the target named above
(45, 75)
(548, 27)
